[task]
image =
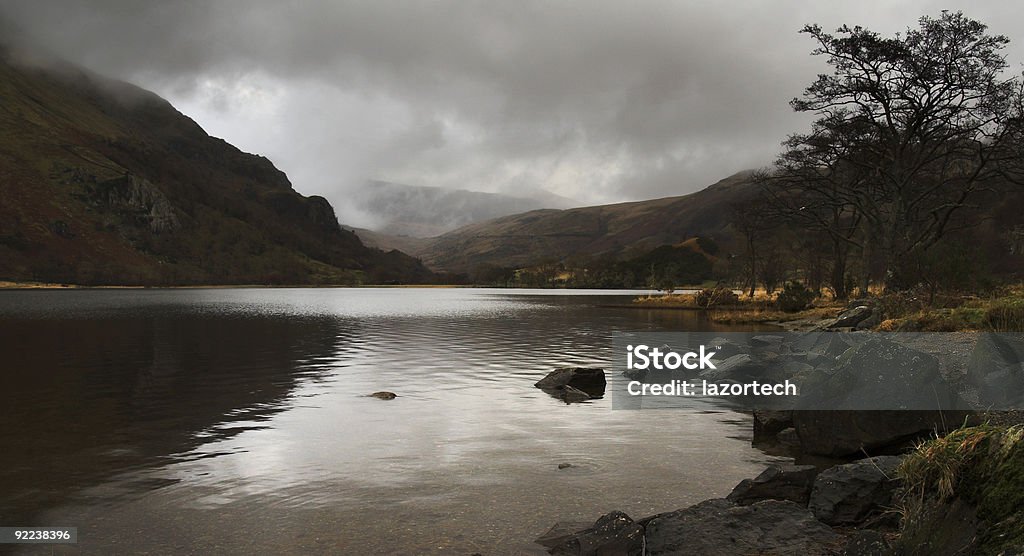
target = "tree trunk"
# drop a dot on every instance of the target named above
(838, 278)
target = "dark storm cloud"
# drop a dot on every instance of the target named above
(595, 100)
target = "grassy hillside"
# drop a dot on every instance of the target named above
(622, 230)
(105, 183)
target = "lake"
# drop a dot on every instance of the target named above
(236, 420)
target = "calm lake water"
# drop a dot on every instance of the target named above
(227, 421)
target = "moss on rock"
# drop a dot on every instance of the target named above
(971, 480)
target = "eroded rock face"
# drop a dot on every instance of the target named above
(849, 493)
(142, 197)
(719, 528)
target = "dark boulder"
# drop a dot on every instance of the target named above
(561, 533)
(879, 394)
(737, 367)
(725, 348)
(767, 341)
(879, 374)
(589, 380)
(768, 423)
(777, 482)
(854, 317)
(846, 433)
(383, 395)
(568, 394)
(828, 344)
(996, 369)
(719, 528)
(848, 494)
(613, 533)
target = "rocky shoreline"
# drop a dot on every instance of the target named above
(847, 491)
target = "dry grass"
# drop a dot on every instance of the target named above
(938, 465)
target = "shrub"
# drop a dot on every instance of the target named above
(708, 298)
(1005, 315)
(795, 297)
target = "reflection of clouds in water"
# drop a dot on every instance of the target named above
(248, 400)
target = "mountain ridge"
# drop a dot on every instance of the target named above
(423, 211)
(107, 183)
(615, 230)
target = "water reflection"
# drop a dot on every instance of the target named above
(95, 397)
(169, 412)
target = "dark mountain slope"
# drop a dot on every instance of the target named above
(102, 182)
(620, 230)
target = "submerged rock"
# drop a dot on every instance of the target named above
(383, 395)
(574, 384)
(613, 533)
(589, 380)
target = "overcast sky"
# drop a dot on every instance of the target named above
(598, 101)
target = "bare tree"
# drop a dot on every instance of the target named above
(910, 129)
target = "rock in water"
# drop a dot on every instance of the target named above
(613, 533)
(383, 395)
(848, 494)
(768, 423)
(589, 380)
(718, 528)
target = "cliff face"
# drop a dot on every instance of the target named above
(106, 183)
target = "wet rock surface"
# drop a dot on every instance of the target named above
(718, 527)
(613, 533)
(778, 482)
(849, 493)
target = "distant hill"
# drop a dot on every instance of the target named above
(621, 230)
(419, 212)
(105, 183)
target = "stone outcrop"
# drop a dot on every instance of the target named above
(778, 482)
(717, 527)
(849, 493)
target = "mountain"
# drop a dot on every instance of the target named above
(618, 231)
(419, 212)
(105, 183)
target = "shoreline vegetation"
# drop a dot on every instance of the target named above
(1002, 310)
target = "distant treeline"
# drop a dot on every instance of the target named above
(665, 267)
